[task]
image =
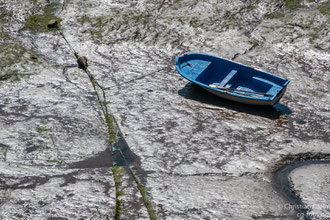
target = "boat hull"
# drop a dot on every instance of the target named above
(230, 80)
(246, 101)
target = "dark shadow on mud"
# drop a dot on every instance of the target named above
(102, 159)
(120, 156)
(194, 92)
(281, 182)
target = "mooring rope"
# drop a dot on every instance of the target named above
(110, 120)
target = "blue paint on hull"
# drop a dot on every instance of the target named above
(231, 80)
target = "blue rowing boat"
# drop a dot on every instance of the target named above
(231, 80)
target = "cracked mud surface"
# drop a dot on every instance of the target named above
(198, 156)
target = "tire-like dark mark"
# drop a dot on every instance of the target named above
(281, 177)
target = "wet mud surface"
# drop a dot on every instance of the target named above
(197, 156)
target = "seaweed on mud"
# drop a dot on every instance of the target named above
(38, 22)
(4, 19)
(100, 26)
(289, 4)
(324, 8)
(146, 201)
(40, 129)
(293, 4)
(117, 176)
(14, 59)
(275, 15)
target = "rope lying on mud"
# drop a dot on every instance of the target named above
(112, 132)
